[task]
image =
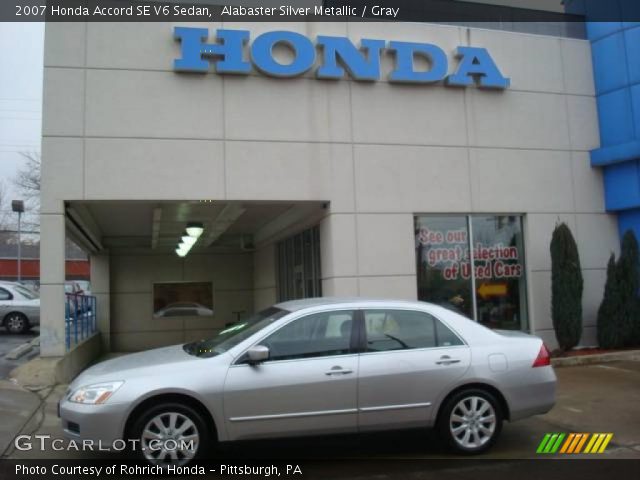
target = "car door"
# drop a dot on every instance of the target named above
(5, 302)
(308, 385)
(408, 360)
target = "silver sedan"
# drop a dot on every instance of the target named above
(316, 366)
(19, 307)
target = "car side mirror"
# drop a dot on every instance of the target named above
(257, 354)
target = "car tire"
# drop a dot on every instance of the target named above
(16, 322)
(188, 424)
(470, 421)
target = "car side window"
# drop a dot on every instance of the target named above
(317, 335)
(5, 294)
(399, 330)
(445, 337)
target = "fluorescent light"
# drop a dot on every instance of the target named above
(194, 229)
(187, 240)
(181, 251)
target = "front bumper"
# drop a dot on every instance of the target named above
(102, 424)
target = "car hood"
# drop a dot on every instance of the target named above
(137, 364)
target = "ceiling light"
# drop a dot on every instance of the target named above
(187, 240)
(181, 251)
(195, 229)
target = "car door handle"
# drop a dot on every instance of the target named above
(447, 360)
(338, 371)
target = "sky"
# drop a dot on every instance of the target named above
(21, 67)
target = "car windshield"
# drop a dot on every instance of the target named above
(233, 334)
(25, 292)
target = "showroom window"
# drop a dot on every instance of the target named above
(493, 292)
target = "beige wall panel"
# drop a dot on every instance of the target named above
(132, 103)
(182, 169)
(412, 179)
(386, 245)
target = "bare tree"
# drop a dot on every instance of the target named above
(27, 183)
(5, 208)
(27, 179)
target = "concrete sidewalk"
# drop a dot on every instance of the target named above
(18, 407)
(24, 400)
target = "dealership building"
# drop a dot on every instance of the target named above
(312, 170)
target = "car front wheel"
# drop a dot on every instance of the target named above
(470, 421)
(16, 323)
(170, 434)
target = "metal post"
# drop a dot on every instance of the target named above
(18, 207)
(19, 247)
(474, 300)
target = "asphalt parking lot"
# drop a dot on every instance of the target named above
(10, 341)
(597, 398)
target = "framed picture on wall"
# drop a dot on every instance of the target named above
(182, 299)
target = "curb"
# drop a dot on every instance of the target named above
(19, 351)
(633, 355)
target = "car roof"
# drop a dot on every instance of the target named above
(295, 305)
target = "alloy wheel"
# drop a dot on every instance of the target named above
(15, 323)
(170, 438)
(472, 422)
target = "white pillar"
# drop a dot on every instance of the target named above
(52, 276)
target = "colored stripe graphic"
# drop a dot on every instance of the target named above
(543, 443)
(582, 442)
(573, 443)
(567, 442)
(598, 443)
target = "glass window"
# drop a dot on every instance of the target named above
(498, 259)
(399, 330)
(442, 256)
(446, 338)
(235, 333)
(317, 335)
(5, 295)
(498, 274)
(298, 260)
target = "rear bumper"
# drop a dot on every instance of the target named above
(536, 395)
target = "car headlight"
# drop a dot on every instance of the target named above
(95, 394)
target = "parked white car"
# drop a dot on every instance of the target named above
(19, 307)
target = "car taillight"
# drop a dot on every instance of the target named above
(543, 359)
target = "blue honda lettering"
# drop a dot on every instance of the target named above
(304, 53)
(193, 50)
(477, 65)
(337, 55)
(359, 67)
(405, 56)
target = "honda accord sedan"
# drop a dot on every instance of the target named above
(311, 367)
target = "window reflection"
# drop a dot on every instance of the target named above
(445, 277)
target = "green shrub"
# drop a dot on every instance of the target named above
(628, 282)
(566, 288)
(619, 312)
(608, 326)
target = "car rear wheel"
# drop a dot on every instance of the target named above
(170, 434)
(470, 421)
(16, 322)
